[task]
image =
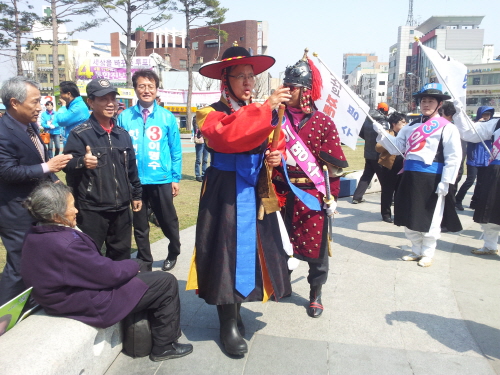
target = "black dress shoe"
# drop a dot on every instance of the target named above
(199, 179)
(169, 264)
(459, 206)
(175, 350)
(387, 219)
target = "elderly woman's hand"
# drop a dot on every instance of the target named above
(280, 95)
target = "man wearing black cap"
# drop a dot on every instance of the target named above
(103, 174)
(433, 153)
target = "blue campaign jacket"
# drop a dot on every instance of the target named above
(46, 116)
(157, 144)
(77, 113)
(477, 156)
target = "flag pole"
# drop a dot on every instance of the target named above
(315, 54)
(469, 121)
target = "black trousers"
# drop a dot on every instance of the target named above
(11, 283)
(111, 227)
(162, 301)
(371, 167)
(389, 182)
(161, 200)
(471, 177)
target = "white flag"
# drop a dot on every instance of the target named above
(451, 73)
(345, 108)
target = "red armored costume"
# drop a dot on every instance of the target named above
(308, 229)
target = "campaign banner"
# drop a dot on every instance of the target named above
(451, 73)
(180, 97)
(11, 311)
(110, 68)
(344, 107)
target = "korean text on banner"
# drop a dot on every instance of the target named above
(340, 103)
(451, 73)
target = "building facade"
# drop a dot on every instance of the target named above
(456, 36)
(399, 63)
(38, 65)
(352, 60)
(483, 86)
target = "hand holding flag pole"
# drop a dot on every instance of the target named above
(428, 51)
(354, 97)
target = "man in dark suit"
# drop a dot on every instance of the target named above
(23, 164)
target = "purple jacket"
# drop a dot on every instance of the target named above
(71, 278)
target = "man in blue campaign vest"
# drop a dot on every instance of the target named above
(157, 146)
(77, 111)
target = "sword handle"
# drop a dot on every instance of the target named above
(327, 182)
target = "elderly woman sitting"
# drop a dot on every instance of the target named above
(71, 278)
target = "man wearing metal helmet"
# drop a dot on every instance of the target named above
(433, 153)
(315, 134)
(237, 257)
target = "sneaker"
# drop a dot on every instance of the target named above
(459, 206)
(484, 251)
(411, 257)
(356, 201)
(425, 262)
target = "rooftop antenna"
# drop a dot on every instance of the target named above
(410, 21)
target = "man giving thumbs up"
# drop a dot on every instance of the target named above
(103, 174)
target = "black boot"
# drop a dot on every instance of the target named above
(315, 308)
(241, 326)
(229, 335)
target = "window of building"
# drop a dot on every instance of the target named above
(62, 77)
(194, 45)
(242, 38)
(60, 58)
(41, 59)
(43, 78)
(410, 46)
(381, 83)
(476, 80)
(50, 59)
(412, 31)
(183, 64)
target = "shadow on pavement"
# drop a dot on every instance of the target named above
(443, 330)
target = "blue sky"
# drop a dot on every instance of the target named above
(333, 27)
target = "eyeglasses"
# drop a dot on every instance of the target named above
(242, 77)
(146, 87)
(292, 88)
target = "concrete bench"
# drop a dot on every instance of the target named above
(348, 184)
(44, 344)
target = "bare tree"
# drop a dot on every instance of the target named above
(60, 13)
(193, 10)
(131, 9)
(15, 23)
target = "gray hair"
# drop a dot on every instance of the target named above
(15, 88)
(48, 202)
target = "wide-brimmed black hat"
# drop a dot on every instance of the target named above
(434, 90)
(236, 56)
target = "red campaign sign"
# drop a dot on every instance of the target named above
(154, 133)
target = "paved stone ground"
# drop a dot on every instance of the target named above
(382, 315)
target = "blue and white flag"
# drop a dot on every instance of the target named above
(344, 107)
